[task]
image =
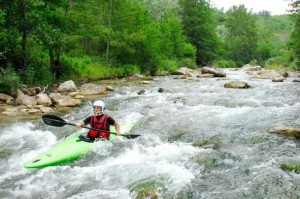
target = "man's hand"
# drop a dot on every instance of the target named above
(79, 124)
(117, 126)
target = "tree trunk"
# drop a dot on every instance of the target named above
(55, 64)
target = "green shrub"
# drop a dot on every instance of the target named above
(222, 63)
(187, 62)
(130, 69)
(8, 79)
(168, 65)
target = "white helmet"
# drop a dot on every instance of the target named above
(101, 104)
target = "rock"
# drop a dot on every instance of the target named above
(14, 111)
(286, 131)
(147, 193)
(237, 84)
(249, 67)
(5, 98)
(270, 74)
(160, 90)
(182, 71)
(25, 99)
(215, 72)
(181, 77)
(137, 76)
(73, 94)
(206, 76)
(32, 91)
(141, 92)
(46, 110)
(144, 82)
(33, 111)
(278, 79)
(68, 101)
(55, 96)
(79, 97)
(64, 101)
(67, 86)
(92, 89)
(43, 99)
(110, 88)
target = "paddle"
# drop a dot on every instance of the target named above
(53, 120)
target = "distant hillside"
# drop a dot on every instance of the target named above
(281, 26)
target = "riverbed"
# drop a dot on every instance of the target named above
(198, 140)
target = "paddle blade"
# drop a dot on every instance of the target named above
(131, 136)
(53, 120)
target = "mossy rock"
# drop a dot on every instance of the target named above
(295, 132)
(148, 188)
(207, 143)
(290, 167)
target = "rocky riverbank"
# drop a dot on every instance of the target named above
(30, 103)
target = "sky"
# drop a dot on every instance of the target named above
(276, 7)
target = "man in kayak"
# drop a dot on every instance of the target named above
(99, 121)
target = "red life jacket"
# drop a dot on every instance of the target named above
(99, 124)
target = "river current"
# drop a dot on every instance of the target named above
(198, 140)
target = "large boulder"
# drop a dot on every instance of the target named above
(63, 101)
(5, 98)
(23, 99)
(215, 72)
(67, 86)
(43, 99)
(68, 101)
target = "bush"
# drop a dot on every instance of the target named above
(275, 63)
(225, 63)
(8, 79)
(187, 62)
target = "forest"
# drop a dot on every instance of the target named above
(48, 41)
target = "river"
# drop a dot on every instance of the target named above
(198, 140)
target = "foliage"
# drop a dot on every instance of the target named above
(199, 27)
(8, 79)
(242, 35)
(291, 167)
(224, 63)
(46, 41)
(295, 38)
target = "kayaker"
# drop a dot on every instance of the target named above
(99, 121)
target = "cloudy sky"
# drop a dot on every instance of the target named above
(276, 7)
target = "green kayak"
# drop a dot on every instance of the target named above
(69, 149)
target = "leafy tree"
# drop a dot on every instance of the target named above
(51, 31)
(200, 29)
(242, 35)
(295, 37)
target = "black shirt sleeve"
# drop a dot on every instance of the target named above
(87, 120)
(110, 121)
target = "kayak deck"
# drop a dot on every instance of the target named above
(69, 150)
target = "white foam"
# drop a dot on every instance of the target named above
(25, 144)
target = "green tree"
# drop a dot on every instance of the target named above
(200, 29)
(51, 31)
(295, 37)
(16, 24)
(242, 35)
